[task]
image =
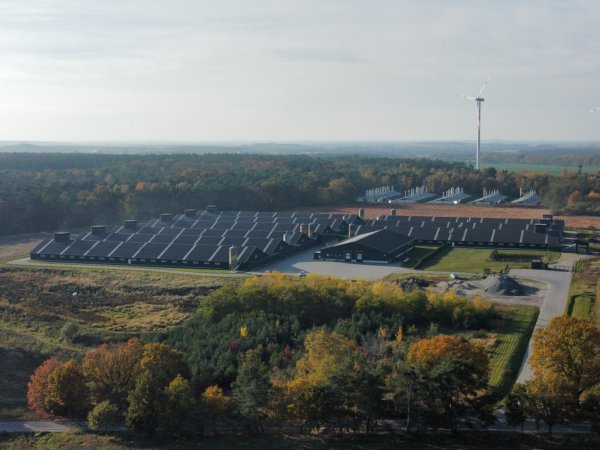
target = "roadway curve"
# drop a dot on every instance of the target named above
(558, 283)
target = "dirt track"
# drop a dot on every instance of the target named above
(424, 209)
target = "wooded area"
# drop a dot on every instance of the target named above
(68, 191)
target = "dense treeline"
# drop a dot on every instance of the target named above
(52, 191)
(276, 312)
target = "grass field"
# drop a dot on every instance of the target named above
(584, 288)
(539, 168)
(462, 259)
(512, 338)
(108, 306)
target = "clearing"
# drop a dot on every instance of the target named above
(108, 306)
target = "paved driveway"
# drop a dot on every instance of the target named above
(304, 261)
(558, 283)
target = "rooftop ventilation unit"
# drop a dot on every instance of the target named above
(98, 229)
(62, 236)
(190, 213)
(166, 217)
(130, 223)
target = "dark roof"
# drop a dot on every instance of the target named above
(381, 240)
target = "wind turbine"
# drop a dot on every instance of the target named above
(597, 109)
(478, 99)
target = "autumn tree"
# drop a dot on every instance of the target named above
(111, 371)
(331, 382)
(179, 407)
(38, 385)
(452, 374)
(160, 365)
(66, 391)
(568, 352)
(548, 400)
(215, 404)
(429, 353)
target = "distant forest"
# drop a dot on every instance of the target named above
(49, 191)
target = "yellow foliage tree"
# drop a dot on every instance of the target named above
(569, 350)
(430, 352)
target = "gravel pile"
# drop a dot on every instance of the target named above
(502, 285)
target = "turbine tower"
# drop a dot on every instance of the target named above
(478, 99)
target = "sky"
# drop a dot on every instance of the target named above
(282, 70)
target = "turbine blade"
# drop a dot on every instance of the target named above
(468, 97)
(483, 87)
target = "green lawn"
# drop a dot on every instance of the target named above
(513, 335)
(463, 259)
(583, 303)
(581, 307)
(540, 168)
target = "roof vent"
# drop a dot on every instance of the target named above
(98, 229)
(211, 209)
(166, 217)
(62, 236)
(190, 213)
(130, 223)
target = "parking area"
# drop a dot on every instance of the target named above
(304, 261)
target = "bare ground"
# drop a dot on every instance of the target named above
(536, 292)
(19, 245)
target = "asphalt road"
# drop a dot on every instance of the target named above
(558, 283)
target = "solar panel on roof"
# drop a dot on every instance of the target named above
(119, 237)
(201, 253)
(78, 248)
(209, 240)
(125, 250)
(102, 249)
(162, 239)
(150, 251)
(186, 239)
(228, 240)
(175, 252)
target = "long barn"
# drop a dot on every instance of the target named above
(209, 239)
(246, 239)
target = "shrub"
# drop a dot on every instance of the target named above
(104, 415)
(69, 331)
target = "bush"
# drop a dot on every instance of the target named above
(104, 415)
(69, 331)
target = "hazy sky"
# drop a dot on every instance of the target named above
(263, 70)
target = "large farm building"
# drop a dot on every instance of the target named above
(245, 239)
